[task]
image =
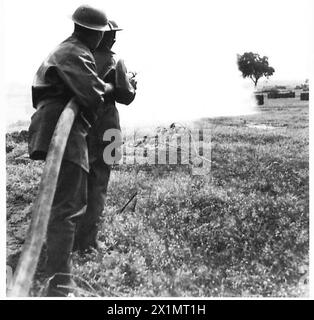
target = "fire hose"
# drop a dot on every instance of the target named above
(28, 260)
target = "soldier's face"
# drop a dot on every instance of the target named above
(95, 38)
(111, 39)
(108, 40)
(99, 38)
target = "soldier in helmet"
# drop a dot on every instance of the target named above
(108, 118)
(69, 71)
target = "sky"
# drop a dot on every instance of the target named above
(184, 51)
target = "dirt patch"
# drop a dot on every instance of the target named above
(261, 126)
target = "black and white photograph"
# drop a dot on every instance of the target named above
(156, 149)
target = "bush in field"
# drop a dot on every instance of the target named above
(305, 96)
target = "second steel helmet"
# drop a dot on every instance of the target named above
(91, 18)
(113, 26)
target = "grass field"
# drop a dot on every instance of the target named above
(244, 232)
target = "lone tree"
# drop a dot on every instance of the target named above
(253, 66)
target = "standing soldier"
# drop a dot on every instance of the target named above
(69, 71)
(108, 118)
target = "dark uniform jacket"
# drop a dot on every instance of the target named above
(124, 93)
(69, 71)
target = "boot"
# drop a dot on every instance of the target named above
(86, 242)
(60, 239)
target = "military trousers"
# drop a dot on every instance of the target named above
(68, 206)
(87, 228)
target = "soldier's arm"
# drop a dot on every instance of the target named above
(79, 73)
(124, 90)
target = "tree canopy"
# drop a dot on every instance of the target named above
(253, 66)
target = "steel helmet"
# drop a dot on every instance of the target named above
(113, 26)
(91, 18)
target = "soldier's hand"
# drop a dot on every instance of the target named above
(123, 76)
(132, 78)
(133, 82)
(132, 74)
